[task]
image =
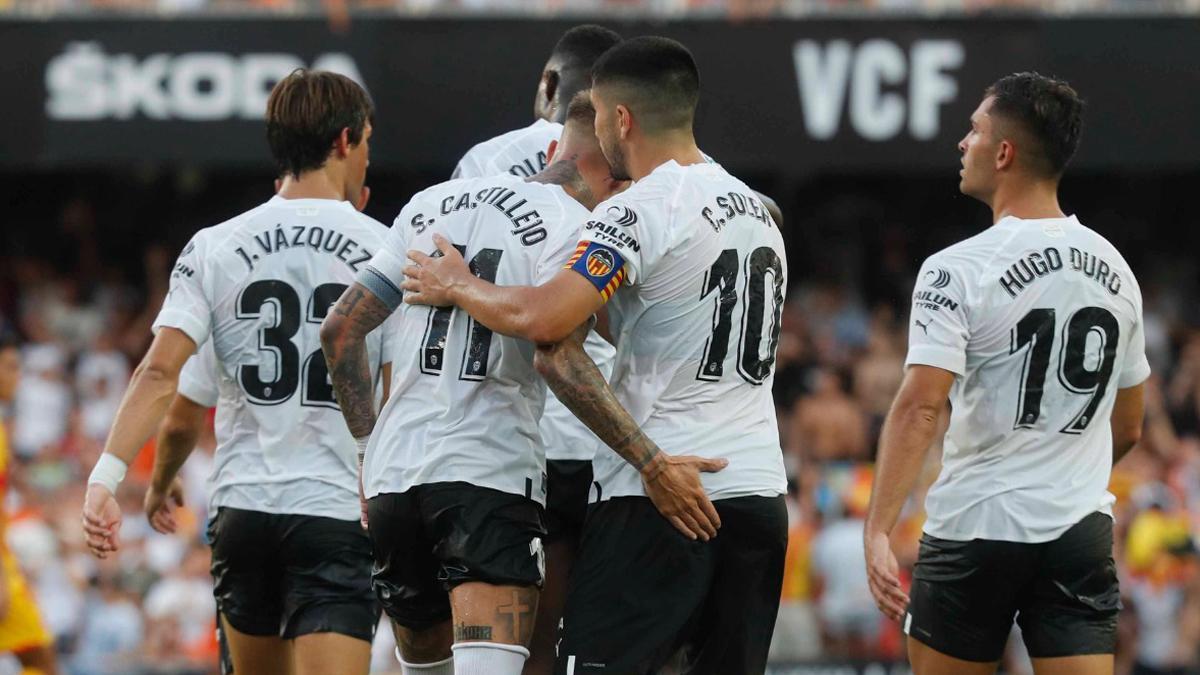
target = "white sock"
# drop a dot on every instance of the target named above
(445, 667)
(488, 658)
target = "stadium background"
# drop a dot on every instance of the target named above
(132, 123)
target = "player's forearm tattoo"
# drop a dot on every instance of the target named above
(465, 633)
(357, 313)
(578, 383)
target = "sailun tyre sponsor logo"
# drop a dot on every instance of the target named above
(86, 83)
(622, 215)
(937, 278)
(599, 263)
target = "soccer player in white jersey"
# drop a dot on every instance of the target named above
(569, 445)
(454, 469)
(290, 561)
(1032, 329)
(523, 152)
(693, 271)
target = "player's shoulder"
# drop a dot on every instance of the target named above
(206, 244)
(539, 130)
(970, 256)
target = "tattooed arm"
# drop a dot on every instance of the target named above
(343, 340)
(671, 482)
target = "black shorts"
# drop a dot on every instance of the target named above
(431, 538)
(640, 590)
(291, 575)
(568, 484)
(1064, 594)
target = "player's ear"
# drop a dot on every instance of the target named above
(624, 122)
(549, 86)
(341, 144)
(550, 152)
(1006, 155)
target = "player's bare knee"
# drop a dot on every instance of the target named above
(423, 646)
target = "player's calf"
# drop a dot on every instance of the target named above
(492, 627)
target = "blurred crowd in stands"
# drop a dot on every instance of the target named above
(548, 8)
(84, 318)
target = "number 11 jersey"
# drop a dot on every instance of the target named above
(1041, 322)
(259, 286)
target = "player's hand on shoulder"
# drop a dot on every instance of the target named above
(159, 509)
(101, 520)
(432, 279)
(883, 576)
(673, 484)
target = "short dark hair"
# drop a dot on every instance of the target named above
(658, 77)
(306, 113)
(581, 110)
(1048, 109)
(580, 46)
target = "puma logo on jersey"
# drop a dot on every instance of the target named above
(923, 326)
(941, 278)
(622, 215)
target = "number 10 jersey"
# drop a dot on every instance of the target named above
(1041, 322)
(697, 273)
(259, 286)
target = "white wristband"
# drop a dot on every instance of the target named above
(109, 472)
(361, 443)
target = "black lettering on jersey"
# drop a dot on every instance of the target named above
(264, 241)
(349, 244)
(934, 301)
(299, 230)
(366, 255)
(329, 244)
(735, 204)
(613, 235)
(245, 258)
(281, 241)
(182, 270)
(1096, 268)
(1033, 266)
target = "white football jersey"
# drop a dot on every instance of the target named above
(521, 152)
(1041, 321)
(259, 285)
(697, 273)
(465, 402)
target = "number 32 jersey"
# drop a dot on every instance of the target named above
(259, 286)
(696, 271)
(1041, 322)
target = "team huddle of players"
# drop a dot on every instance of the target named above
(600, 253)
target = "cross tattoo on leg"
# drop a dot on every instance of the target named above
(515, 609)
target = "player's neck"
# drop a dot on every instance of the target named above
(317, 184)
(652, 152)
(1027, 201)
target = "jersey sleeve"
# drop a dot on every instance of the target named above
(609, 252)
(384, 273)
(198, 379)
(1136, 367)
(939, 331)
(187, 306)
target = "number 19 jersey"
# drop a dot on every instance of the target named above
(1041, 322)
(259, 286)
(465, 402)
